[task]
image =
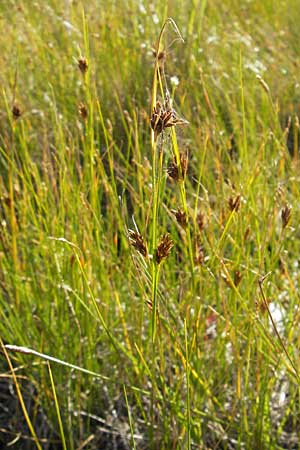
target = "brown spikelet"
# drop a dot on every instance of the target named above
(282, 267)
(164, 248)
(234, 203)
(161, 57)
(286, 213)
(83, 64)
(178, 172)
(82, 111)
(16, 111)
(80, 260)
(181, 217)
(163, 116)
(261, 307)
(149, 304)
(173, 171)
(246, 234)
(201, 221)
(237, 277)
(183, 164)
(199, 254)
(137, 241)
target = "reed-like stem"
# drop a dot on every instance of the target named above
(184, 206)
(157, 161)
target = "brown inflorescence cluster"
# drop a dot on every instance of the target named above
(83, 64)
(163, 116)
(176, 171)
(82, 111)
(234, 203)
(181, 217)
(286, 214)
(16, 111)
(164, 248)
(137, 241)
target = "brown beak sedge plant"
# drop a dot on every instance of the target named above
(167, 335)
(163, 117)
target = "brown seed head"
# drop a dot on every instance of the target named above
(163, 116)
(161, 57)
(282, 267)
(199, 254)
(83, 64)
(234, 203)
(16, 111)
(82, 111)
(173, 171)
(261, 307)
(137, 241)
(183, 164)
(237, 277)
(177, 172)
(164, 248)
(286, 213)
(201, 221)
(181, 217)
(73, 260)
(247, 234)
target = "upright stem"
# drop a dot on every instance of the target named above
(156, 176)
(157, 163)
(155, 189)
(184, 207)
(188, 399)
(13, 219)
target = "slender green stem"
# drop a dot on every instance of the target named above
(129, 418)
(188, 400)
(184, 207)
(156, 190)
(155, 268)
(60, 424)
(155, 279)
